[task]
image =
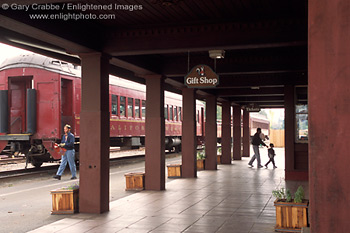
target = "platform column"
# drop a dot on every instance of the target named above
(155, 133)
(226, 138)
(189, 141)
(237, 133)
(210, 134)
(94, 135)
(246, 134)
(329, 114)
(289, 126)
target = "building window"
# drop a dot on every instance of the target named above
(143, 108)
(114, 105)
(137, 108)
(302, 123)
(130, 107)
(301, 115)
(122, 106)
(166, 112)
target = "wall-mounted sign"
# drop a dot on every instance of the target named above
(252, 108)
(201, 76)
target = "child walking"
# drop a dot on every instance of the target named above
(271, 154)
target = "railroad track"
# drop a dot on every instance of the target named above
(4, 175)
(34, 171)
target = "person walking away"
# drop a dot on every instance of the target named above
(271, 153)
(67, 143)
(256, 141)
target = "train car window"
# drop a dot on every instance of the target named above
(166, 112)
(137, 108)
(175, 114)
(171, 113)
(114, 106)
(180, 112)
(130, 107)
(143, 108)
(197, 115)
(122, 105)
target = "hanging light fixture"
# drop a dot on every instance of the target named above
(217, 54)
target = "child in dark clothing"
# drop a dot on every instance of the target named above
(271, 154)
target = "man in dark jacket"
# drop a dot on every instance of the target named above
(256, 141)
(67, 143)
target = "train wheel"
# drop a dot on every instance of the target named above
(36, 163)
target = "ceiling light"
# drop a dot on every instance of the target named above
(216, 54)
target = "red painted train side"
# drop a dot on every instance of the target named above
(58, 99)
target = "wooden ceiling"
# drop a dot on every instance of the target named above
(265, 41)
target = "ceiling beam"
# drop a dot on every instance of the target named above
(240, 92)
(240, 62)
(257, 99)
(204, 37)
(25, 35)
(256, 80)
(137, 70)
(263, 80)
(264, 104)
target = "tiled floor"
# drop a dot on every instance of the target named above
(234, 198)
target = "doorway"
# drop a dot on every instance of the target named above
(66, 102)
(17, 103)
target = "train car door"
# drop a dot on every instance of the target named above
(17, 101)
(66, 102)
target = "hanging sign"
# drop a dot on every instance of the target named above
(201, 76)
(252, 108)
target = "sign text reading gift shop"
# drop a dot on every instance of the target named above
(201, 76)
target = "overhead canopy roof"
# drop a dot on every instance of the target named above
(265, 41)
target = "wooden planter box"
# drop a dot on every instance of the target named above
(290, 216)
(218, 157)
(174, 170)
(65, 201)
(135, 181)
(200, 164)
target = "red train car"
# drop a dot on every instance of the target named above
(255, 121)
(39, 95)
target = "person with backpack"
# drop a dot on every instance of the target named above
(256, 141)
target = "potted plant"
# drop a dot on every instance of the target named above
(291, 214)
(174, 170)
(135, 181)
(65, 200)
(201, 159)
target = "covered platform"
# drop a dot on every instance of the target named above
(274, 54)
(234, 198)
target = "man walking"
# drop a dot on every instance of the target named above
(67, 143)
(256, 141)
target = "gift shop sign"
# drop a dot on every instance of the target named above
(201, 76)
